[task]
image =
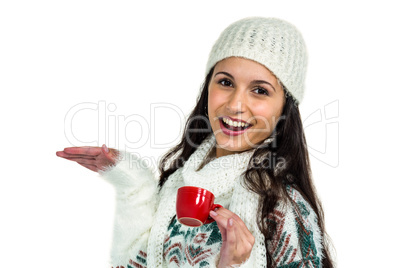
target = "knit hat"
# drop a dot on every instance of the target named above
(272, 42)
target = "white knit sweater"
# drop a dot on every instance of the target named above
(143, 213)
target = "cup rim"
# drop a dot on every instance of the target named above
(196, 188)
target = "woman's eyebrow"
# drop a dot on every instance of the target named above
(225, 73)
(263, 82)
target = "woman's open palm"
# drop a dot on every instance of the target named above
(93, 158)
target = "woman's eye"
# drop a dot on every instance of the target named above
(260, 90)
(225, 82)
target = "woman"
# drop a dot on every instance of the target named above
(244, 142)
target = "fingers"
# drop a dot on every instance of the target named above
(83, 159)
(73, 156)
(223, 218)
(224, 214)
(85, 150)
(219, 218)
(231, 238)
(89, 163)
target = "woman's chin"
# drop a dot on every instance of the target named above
(226, 146)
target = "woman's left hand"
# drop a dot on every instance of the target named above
(237, 240)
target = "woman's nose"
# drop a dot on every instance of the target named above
(236, 103)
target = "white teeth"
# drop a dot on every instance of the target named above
(234, 123)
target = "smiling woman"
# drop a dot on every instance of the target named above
(243, 142)
(243, 91)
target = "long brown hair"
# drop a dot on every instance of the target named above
(260, 177)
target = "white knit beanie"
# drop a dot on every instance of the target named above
(272, 42)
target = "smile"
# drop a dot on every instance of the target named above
(233, 127)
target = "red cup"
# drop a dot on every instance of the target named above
(193, 205)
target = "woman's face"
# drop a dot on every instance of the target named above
(245, 103)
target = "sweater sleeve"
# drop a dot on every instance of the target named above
(297, 241)
(136, 201)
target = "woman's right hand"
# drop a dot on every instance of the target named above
(93, 158)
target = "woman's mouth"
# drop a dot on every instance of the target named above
(233, 127)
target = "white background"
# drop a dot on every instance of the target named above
(55, 55)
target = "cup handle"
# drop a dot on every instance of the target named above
(209, 219)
